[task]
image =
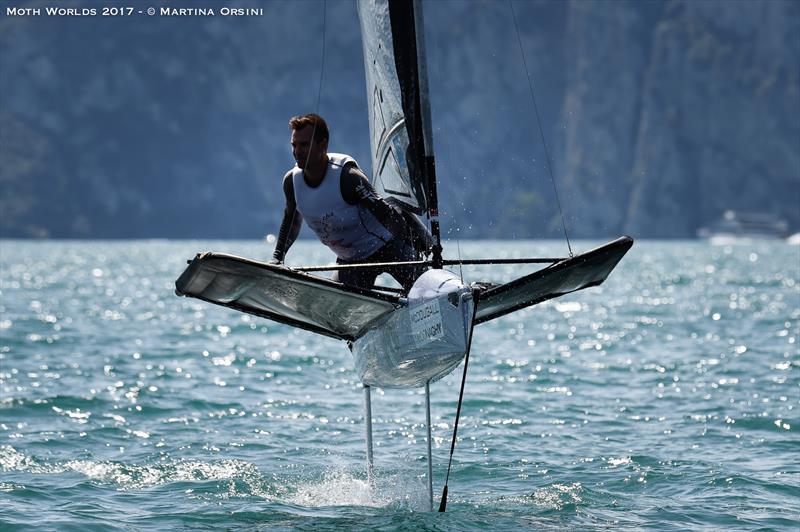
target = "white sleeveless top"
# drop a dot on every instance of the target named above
(350, 231)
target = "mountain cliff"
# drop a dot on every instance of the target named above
(658, 116)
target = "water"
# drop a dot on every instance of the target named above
(666, 399)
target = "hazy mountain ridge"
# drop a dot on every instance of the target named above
(658, 116)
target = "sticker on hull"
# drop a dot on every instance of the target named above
(426, 322)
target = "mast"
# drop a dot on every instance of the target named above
(429, 164)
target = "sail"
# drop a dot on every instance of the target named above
(395, 102)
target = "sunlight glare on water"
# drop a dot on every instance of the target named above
(665, 398)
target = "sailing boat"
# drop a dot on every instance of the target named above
(397, 340)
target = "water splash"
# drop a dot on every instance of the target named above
(125, 477)
(558, 496)
(340, 487)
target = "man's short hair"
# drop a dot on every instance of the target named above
(313, 120)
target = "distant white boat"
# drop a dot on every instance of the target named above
(741, 227)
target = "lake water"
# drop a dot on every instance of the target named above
(668, 398)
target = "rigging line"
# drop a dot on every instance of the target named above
(415, 263)
(448, 158)
(322, 68)
(443, 502)
(539, 122)
(460, 264)
(319, 97)
(321, 77)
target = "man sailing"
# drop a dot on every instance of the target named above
(331, 193)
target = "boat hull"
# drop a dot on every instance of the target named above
(421, 342)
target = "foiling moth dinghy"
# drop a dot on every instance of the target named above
(397, 340)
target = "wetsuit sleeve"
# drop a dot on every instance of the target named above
(292, 220)
(356, 189)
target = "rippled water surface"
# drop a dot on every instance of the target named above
(667, 399)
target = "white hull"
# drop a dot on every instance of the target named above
(420, 342)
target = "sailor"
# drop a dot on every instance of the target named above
(331, 193)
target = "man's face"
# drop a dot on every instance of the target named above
(304, 148)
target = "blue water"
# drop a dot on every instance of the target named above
(667, 398)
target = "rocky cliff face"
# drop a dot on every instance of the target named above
(658, 116)
(677, 111)
(160, 126)
(607, 57)
(719, 124)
